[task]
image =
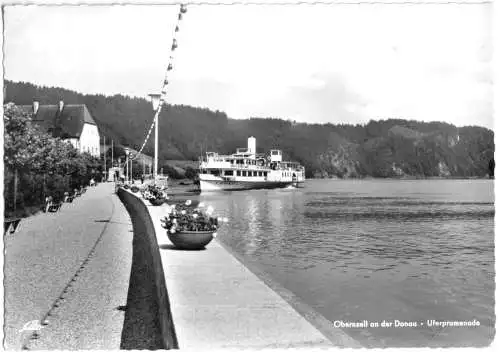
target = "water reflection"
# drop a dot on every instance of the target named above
(253, 227)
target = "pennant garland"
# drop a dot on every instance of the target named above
(182, 10)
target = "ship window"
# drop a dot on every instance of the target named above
(244, 173)
(238, 173)
(265, 173)
(260, 173)
(228, 173)
(214, 172)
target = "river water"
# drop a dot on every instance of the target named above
(375, 250)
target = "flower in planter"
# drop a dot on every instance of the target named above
(210, 210)
(153, 192)
(190, 219)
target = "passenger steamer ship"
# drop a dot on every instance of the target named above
(248, 170)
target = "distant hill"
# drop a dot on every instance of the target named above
(384, 148)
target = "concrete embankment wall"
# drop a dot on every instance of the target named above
(148, 327)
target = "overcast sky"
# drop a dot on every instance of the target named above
(311, 63)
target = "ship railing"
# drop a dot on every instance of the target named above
(227, 165)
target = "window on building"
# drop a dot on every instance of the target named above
(260, 173)
(228, 173)
(244, 173)
(238, 173)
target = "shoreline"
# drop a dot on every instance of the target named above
(410, 178)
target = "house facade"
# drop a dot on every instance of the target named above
(71, 122)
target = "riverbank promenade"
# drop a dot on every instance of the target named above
(218, 303)
(72, 268)
(102, 274)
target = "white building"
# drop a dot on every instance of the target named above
(70, 122)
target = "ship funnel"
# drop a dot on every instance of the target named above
(252, 145)
(36, 105)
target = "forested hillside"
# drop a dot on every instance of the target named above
(385, 148)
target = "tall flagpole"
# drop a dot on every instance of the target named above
(157, 103)
(104, 153)
(156, 146)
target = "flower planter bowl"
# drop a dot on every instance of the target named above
(191, 239)
(157, 201)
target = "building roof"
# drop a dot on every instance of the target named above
(72, 118)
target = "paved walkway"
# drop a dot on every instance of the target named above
(86, 248)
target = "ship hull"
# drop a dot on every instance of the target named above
(219, 185)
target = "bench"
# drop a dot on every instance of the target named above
(53, 207)
(69, 199)
(11, 225)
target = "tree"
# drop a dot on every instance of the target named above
(38, 165)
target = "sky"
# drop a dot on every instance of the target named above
(336, 63)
